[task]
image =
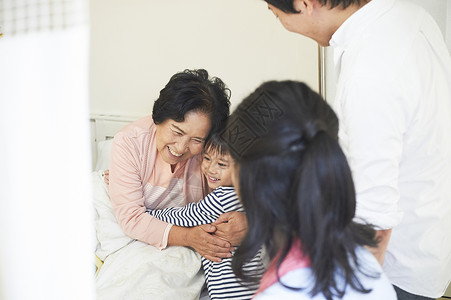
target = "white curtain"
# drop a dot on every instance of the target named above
(46, 233)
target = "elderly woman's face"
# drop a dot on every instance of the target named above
(179, 141)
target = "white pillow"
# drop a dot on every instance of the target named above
(110, 236)
(103, 154)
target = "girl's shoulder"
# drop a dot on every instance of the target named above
(370, 275)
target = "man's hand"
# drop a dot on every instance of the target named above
(231, 226)
(384, 238)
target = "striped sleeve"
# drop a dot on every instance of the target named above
(221, 200)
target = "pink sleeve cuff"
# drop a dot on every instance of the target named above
(164, 242)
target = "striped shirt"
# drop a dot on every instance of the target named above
(221, 281)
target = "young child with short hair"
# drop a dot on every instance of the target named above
(218, 168)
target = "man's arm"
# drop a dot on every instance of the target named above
(383, 236)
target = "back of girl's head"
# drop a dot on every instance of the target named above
(288, 111)
(193, 91)
(294, 180)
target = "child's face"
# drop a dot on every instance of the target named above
(217, 168)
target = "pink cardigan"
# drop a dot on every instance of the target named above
(132, 167)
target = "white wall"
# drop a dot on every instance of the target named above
(137, 45)
(448, 25)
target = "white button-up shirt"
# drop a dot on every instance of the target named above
(394, 104)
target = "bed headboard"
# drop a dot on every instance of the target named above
(103, 128)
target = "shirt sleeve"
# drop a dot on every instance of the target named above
(204, 212)
(373, 122)
(126, 193)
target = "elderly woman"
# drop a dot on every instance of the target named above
(155, 163)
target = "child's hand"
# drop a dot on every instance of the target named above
(106, 176)
(231, 226)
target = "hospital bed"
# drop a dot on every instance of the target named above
(126, 268)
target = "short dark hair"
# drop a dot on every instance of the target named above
(216, 143)
(288, 7)
(295, 183)
(193, 91)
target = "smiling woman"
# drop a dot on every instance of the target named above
(178, 141)
(155, 163)
(188, 107)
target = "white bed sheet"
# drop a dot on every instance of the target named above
(135, 270)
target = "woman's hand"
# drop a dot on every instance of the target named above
(231, 226)
(200, 238)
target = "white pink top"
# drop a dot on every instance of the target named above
(140, 180)
(295, 272)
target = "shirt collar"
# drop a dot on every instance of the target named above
(356, 24)
(295, 259)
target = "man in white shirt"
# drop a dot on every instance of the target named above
(394, 104)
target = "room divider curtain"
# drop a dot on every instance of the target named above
(46, 233)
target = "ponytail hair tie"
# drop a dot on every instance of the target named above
(312, 129)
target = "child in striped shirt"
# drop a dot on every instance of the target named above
(217, 167)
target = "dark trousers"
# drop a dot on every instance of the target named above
(403, 295)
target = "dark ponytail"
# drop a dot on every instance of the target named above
(295, 184)
(324, 197)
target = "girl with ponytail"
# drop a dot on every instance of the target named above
(297, 190)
